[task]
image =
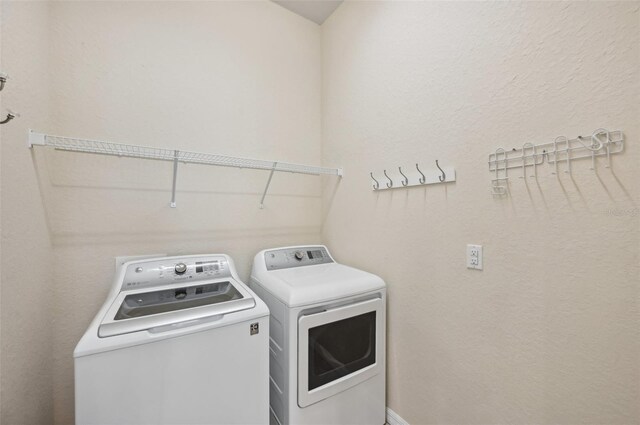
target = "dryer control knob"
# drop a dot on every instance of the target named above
(299, 255)
(180, 268)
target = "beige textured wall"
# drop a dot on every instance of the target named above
(236, 78)
(26, 290)
(549, 331)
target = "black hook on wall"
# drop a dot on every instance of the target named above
(377, 185)
(423, 178)
(390, 184)
(443, 177)
(405, 181)
(9, 117)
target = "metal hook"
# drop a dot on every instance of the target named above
(390, 184)
(423, 178)
(377, 185)
(593, 156)
(443, 177)
(524, 159)
(606, 143)
(406, 180)
(568, 159)
(10, 116)
(499, 184)
(555, 154)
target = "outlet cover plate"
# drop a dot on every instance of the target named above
(474, 257)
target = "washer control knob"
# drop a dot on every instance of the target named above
(299, 255)
(180, 268)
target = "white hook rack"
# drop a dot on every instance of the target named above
(175, 156)
(562, 150)
(412, 176)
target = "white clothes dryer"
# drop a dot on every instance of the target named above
(179, 340)
(327, 338)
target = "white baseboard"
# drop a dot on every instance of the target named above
(394, 419)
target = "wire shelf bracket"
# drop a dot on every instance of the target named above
(175, 156)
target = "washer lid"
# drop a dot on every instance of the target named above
(323, 282)
(139, 310)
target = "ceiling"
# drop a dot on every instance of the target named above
(315, 10)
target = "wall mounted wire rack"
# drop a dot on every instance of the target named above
(176, 156)
(561, 152)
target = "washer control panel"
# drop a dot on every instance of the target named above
(167, 271)
(286, 258)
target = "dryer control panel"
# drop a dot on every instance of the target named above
(286, 258)
(171, 270)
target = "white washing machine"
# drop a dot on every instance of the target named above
(179, 340)
(327, 338)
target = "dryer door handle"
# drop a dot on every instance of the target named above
(342, 307)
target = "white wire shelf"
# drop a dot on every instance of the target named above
(146, 152)
(174, 155)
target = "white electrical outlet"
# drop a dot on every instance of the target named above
(474, 257)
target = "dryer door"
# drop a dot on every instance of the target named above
(339, 348)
